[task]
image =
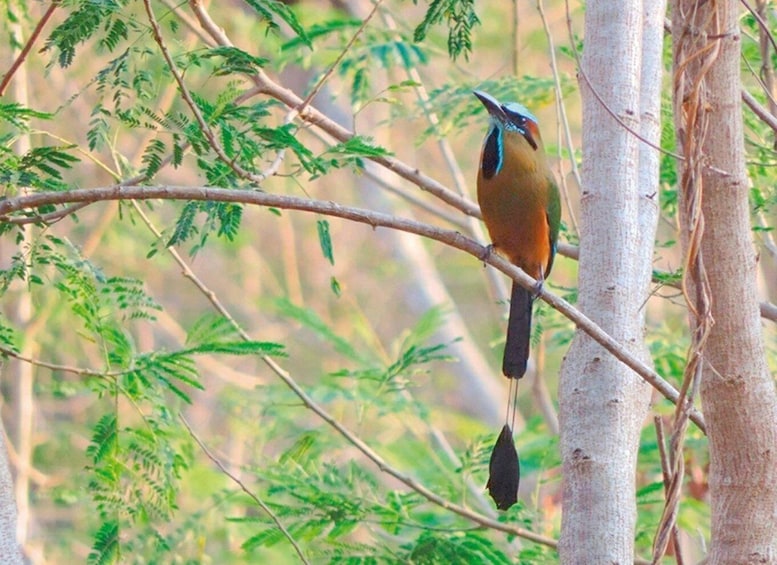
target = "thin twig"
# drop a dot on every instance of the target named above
(28, 46)
(193, 107)
(246, 490)
(762, 81)
(320, 84)
(80, 371)
(765, 115)
(174, 7)
(666, 472)
(699, 51)
(562, 120)
(615, 116)
(763, 26)
(605, 106)
(187, 272)
(294, 112)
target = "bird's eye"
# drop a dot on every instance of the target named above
(516, 118)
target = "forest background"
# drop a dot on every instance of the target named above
(262, 330)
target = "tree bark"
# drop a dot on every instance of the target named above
(738, 393)
(602, 403)
(10, 552)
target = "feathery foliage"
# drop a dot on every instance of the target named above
(461, 19)
(123, 344)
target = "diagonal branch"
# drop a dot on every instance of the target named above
(316, 118)
(193, 107)
(28, 46)
(246, 490)
(406, 480)
(374, 219)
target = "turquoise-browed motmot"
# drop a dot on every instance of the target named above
(521, 208)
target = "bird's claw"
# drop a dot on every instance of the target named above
(489, 249)
(538, 287)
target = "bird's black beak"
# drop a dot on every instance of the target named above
(492, 105)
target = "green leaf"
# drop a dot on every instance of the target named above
(647, 494)
(460, 17)
(267, 9)
(9, 337)
(129, 296)
(334, 286)
(106, 544)
(240, 348)
(310, 319)
(209, 328)
(18, 116)
(104, 440)
(230, 215)
(80, 25)
(325, 240)
(216, 334)
(361, 146)
(184, 227)
(152, 158)
(234, 61)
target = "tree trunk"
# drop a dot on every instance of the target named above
(602, 403)
(9, 547)
(738, 394)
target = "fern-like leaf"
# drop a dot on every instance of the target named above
(104, 438)
(80, 25)
(269, 9)
(106, 544)
(460, 17)
(152, 158)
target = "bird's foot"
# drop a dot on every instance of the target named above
(489, 249)
(537, 288)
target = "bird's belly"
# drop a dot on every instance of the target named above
(518, 226)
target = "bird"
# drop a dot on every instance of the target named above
(521, 207)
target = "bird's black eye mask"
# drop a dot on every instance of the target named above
(521, 123)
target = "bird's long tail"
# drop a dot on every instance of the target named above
(504, 468)
(504, 471)
(518, 333)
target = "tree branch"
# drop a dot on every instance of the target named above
(28, 46)
(235, 479)
(312, 116)
(374, 219)
(406, 480)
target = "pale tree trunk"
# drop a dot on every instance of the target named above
(14, 496)
(10, 553)
(738, 393)
(602, 403)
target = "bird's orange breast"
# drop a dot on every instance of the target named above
(514, 205)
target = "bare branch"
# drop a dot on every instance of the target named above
(374, 219)
(598, 96)
(8, 352)
(767, 117)
(562, 120)
(28, 46)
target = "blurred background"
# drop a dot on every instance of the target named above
(399, 338)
